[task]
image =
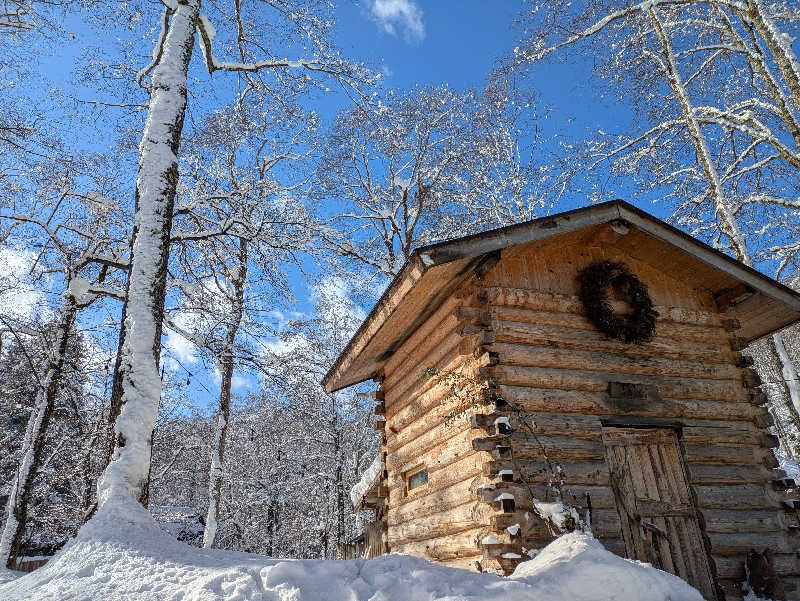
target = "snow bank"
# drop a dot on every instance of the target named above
(7, 575)
(124, 555)
(577, 567)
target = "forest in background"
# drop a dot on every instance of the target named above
(263, 230)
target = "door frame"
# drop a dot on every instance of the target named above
(646, 423)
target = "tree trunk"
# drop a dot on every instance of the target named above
(790, 385)
(779, 47)
(725, 218)
(224, 411)
(32, 445)
(136, 376)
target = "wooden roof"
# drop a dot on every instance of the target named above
(433, 272)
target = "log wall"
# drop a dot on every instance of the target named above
(520, 329)
(440, 521)
(552, 368)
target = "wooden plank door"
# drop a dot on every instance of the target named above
(659, 520)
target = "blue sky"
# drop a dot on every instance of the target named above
(419, 42)
(412, 42)
(449, 41)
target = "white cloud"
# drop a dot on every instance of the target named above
(178, 346)
(239, 383)
(403, 14)
(18, 295)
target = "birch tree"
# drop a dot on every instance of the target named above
(729, 90)
(77, 243)
(257, 36)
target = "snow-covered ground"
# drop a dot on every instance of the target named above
(123, 554)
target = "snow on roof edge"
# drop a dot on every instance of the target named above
(367, 478)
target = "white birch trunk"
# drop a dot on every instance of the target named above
(126, 476)
(33, 443)
(216, 473)
(725, 217)
(788, 371)
(779, 45)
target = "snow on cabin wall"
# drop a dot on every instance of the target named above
(550, 361)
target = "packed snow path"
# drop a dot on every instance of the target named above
(116, 557)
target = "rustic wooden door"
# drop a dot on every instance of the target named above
(659, 521)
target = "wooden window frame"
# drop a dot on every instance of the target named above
(407, 480)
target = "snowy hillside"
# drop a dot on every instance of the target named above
(141, 562)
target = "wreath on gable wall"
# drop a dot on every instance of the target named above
(636, 326)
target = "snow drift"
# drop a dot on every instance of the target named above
(124, 555)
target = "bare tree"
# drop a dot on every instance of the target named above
(240, 217)
(77, 242)
(425, 165)
(259, 34)
(728, 92)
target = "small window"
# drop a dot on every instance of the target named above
(417, 479)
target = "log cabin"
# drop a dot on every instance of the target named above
(501, 391)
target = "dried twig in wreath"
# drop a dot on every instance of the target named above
(639, 324)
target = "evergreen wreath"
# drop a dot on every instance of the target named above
(639, 325)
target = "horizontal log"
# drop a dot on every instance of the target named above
(574, 472)
(598, 403)
(543, 356)
(698, 431)
(743, 520)
(717, 453)
(725, 543)
(565, 337)
(445, 548)
(732, 566)
(597, 381)
(571, 424)
(709, 473)
(556, 447)
(545, 301)
(722, 431)
(601, 496)
(605, 523)
(736, 496)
